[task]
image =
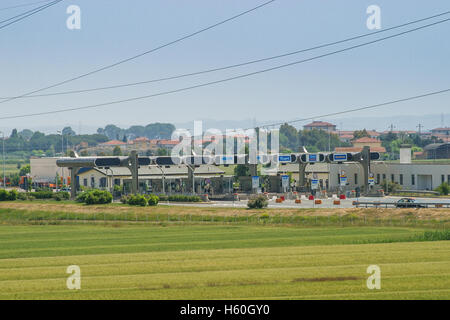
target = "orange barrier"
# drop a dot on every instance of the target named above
(279, 200)
(298, 201)
(318, 201)
(337, 202)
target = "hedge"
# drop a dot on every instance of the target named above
(95, 197)
(180, 198)
(140, 200)
(8, 195)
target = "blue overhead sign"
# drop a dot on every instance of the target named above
(339, 157)
(284, 158)
(312, 158)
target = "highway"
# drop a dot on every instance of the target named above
(306, 204)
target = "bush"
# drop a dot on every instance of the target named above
(22, 196)
(443, 189)
(258, 202)
(137, 200)
(4, 195)
(8, 196)
(140, 200)
(392, 187)
(180, 198)
(62, 195)
(152, 200)
(124, 199)
(95, 197)
(184, 198)
(12, 196)
(81, 197)
(43, 194)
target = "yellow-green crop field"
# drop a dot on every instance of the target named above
(221, 261)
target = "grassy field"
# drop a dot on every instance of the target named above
(203, 259)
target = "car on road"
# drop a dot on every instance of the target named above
(408, 203)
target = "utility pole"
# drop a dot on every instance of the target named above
(4, 179)
(329, 141)
(420, 126)
(62, 155)
(391, 128)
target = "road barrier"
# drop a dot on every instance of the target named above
(378, 204)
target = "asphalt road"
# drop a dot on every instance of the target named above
(326, 203)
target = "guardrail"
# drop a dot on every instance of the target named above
(417, 191)
(378, 204)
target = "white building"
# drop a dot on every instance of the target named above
(44, 171)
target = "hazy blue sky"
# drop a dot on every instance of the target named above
(40, 51)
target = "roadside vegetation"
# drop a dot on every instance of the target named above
(95, 196)
(443, 189)
(68, 212)
(13, 195)
(258, 202)
(140, 200)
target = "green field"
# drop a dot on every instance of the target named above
(220, 261)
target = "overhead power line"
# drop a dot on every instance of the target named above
(229, 66)
(24, 5)
(26, 14)
(141, 54)
(358, 108)
(62, 110)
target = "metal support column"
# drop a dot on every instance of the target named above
(365, 162)
(191, 179)
(133, 165)
(73, 182)
(301, 174)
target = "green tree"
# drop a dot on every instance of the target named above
(241, 170)
(162, 152)
(117, 151)
(26, 134)
(360, 134)
(25, 170)
(14, 134)
(289, 137)
(443, 189)
(67, 131)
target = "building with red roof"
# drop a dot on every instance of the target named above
(320, 125)
(112, 143)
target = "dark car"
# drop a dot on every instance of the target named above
(408, 203)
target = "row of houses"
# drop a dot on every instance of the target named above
(442, 133)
